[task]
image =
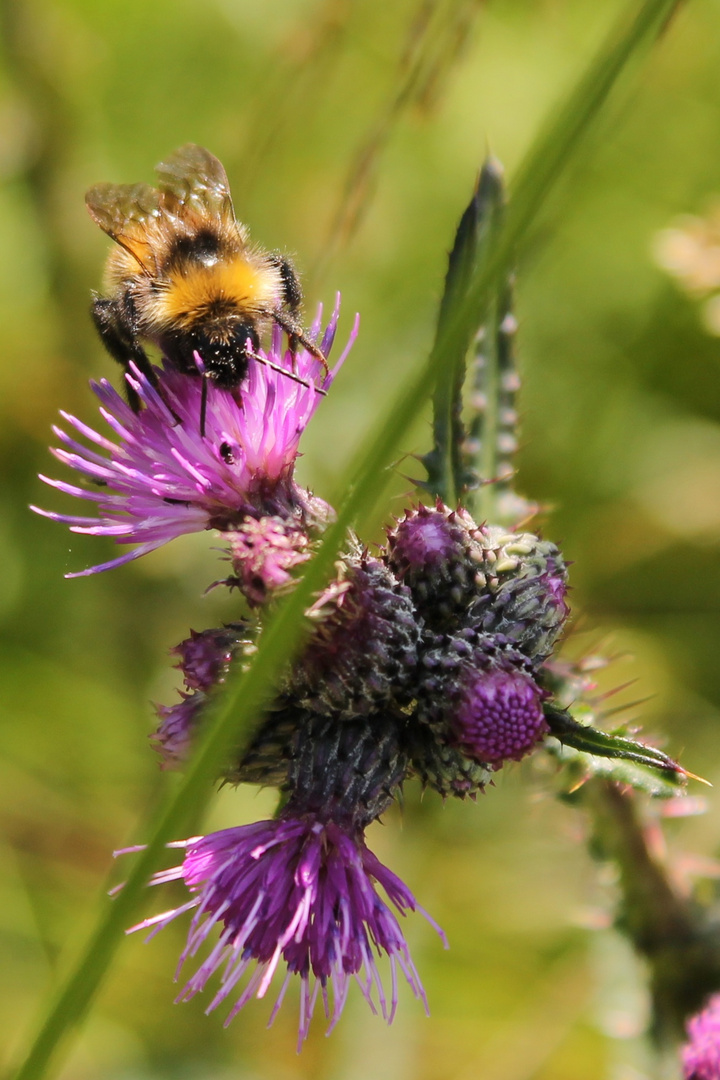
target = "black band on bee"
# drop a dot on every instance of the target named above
(203, 247)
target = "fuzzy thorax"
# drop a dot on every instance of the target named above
(242, 287)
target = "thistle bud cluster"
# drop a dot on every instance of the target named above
(460, 681)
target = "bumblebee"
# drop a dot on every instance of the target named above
(185, 277)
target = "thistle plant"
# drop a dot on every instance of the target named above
(386, 671)
(347, 671)
(430, 657)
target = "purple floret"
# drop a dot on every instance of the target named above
(499, 717)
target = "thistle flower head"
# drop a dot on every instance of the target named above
(296, 891)
(302, 890)
(460, 573)
(264, 553)
(701, 1054)
(524, 596)
(162, 476)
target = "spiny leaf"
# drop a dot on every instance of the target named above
(581, 767)
(593, 741)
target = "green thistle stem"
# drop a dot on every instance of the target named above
(678, 938)
(449, 473)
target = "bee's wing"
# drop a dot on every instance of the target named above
(125, 212)
(193, 180)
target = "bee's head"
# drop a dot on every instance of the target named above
(224, 353)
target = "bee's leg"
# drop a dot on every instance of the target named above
(203, 405)
(116, 331)
(292, 300)
(297, 336)
(292, 292)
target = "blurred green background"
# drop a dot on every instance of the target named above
(352, 134)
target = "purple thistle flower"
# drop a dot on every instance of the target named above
(161, 478)
(701, 1054)
(296, 890)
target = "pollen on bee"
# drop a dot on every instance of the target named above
(251, 289)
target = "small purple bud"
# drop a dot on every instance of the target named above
(437, 553)
(204, 661)
(205, 655)
(481, 696)
(264, 553)
(178, 723)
